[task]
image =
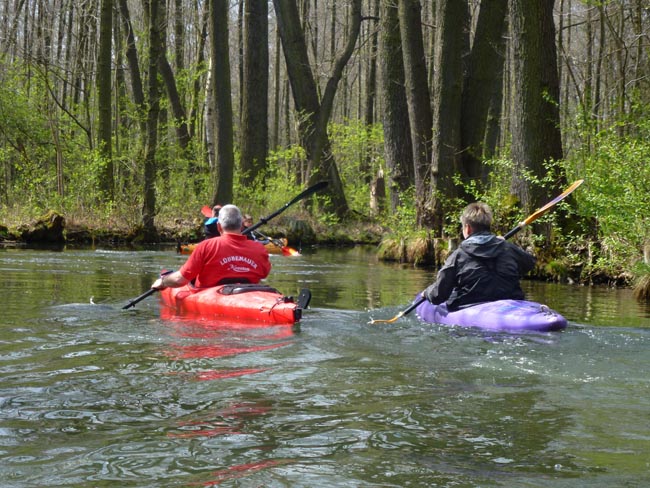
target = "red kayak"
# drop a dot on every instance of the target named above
(249, 302)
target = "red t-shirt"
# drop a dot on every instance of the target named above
(231, 256)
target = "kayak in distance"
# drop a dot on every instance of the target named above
(273, 246)
(248, 302)
(513, 316)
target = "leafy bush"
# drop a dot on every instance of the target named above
(359, 154)
(617, 193)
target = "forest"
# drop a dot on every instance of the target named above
(135, 113)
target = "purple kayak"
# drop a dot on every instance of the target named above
(499, 316)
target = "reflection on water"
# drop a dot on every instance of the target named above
(92, 395)
(592, 305)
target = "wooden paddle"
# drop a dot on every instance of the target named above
(528, 220)
(309, 191)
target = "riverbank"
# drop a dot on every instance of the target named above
(53, 229)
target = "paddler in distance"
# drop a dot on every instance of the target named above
(210, 225)
(484, 268)
(229, 258)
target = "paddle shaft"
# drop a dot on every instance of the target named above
(275, 241)
(531, 218)
(146, 294)
(309, 191)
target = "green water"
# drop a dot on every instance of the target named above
(95, 396)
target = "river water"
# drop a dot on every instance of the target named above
(95, 396)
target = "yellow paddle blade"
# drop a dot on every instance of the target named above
(541, 211)
(386, 321)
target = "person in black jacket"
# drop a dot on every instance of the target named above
(483, 269)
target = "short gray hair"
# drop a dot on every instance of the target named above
(230, 218)
(478, 215)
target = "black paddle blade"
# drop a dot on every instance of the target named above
(304, 298)
(309, 191)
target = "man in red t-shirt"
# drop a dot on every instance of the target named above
(229, 258)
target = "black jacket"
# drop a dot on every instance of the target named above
(483, 269)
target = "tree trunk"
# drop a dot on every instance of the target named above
(150, 170)
(105, 99)
(200, 65)
(314, 115)
(452, 46)
(254, 128)
(277, 83)
(483, 86)
(180, 120)
(240, 54)
(220, 70)
(371, 93)
(397, 134)
(419, 102)
(536, 137)
(134, 66)
(175, 102)
(179, 35)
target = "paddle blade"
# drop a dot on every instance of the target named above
(411, 307)
(309, 191)
(304, 298)
(289, 251)
(541, 211)
(206, 210)
(386, 321)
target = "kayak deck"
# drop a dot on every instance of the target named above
(498, 316)
(250, 302)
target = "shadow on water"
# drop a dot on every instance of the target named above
(92, 395)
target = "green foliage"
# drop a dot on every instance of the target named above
(359, 154)
(497, 194)
(403, 222)
(617, 189)
(26, 149)
(273, 188)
